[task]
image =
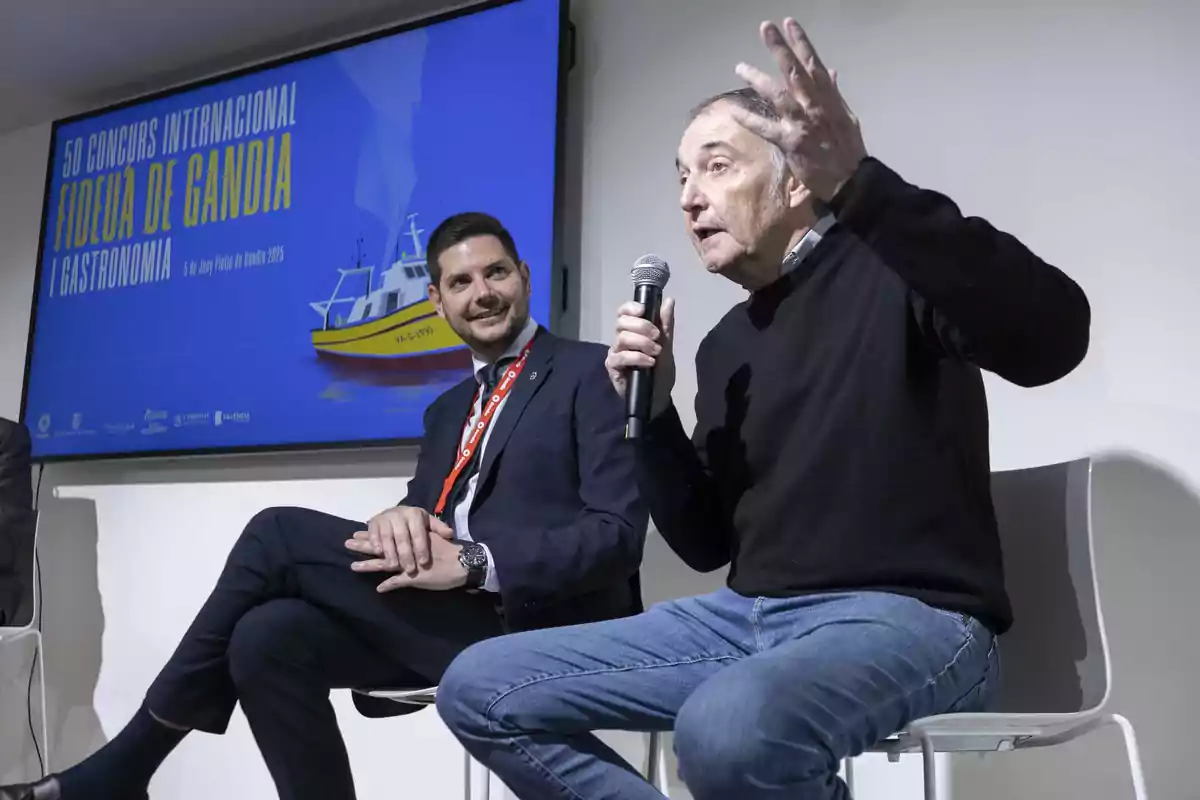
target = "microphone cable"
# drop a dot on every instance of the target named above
(41, 614)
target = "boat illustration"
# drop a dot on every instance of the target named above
(392, 324)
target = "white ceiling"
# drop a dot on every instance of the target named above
(59, 57)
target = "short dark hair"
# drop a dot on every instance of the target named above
(745, 97)
(457, 229)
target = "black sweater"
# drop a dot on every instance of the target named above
(841, 438)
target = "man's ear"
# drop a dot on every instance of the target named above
(435, 297)
(523, 268)
(795, 193)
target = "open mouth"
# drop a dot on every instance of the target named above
(489, 315)
(702, 234)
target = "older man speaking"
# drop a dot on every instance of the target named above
(839, 466)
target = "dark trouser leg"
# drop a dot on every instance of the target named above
(283, 658)
(288, 569)
(298, 553)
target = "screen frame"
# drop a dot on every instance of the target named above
(566, 56)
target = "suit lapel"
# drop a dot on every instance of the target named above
(443, 445)
(531, 379)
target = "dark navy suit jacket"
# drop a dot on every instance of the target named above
(17, 518)
(557, 501)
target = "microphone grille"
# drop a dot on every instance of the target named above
(650, 270)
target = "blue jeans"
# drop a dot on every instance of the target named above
(765, 696)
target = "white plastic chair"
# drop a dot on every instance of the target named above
(656, 761)
(1056, 673)
(33, 630)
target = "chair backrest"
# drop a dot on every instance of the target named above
(1054, 659)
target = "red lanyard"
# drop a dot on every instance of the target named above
(476, 438)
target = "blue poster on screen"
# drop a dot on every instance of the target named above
(241, 264)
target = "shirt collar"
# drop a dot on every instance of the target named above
(807, 243)
(513, 350)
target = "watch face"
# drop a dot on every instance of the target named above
(473, 555)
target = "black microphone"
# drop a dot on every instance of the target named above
(650, 275)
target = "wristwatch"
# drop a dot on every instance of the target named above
(474, 560)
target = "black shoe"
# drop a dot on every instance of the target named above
(45, 789)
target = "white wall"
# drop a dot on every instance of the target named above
(1071, 126)
(22, 173)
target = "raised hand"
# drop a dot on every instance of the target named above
(817, 132)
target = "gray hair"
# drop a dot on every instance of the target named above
(755, 103)
(745, 97)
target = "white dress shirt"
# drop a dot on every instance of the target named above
(462, 511)
(807, 242)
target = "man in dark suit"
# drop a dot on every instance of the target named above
(523, 513)
(16, 515)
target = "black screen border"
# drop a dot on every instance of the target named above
(566, 42)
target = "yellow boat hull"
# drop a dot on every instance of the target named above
(414, 331)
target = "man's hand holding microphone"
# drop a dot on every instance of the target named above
(641, 361)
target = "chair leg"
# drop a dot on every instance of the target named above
(663, 776)
(929, 767)
(41, 657)
(467, 775)
(485, 779)
(1135, 759)
(848, 764)
(487, 783)
(1093, 723)
(656, 764)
